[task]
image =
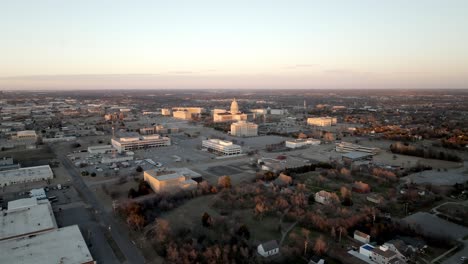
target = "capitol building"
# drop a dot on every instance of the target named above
(221, 115)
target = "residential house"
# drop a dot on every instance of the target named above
(268, 249)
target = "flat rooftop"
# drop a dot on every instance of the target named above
(172, 173)
(23, 220)
(38, 171)
(65, 246)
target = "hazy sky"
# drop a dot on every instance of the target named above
(233, 44)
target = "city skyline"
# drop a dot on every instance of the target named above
(236, 45)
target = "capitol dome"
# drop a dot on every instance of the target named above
(234, 107)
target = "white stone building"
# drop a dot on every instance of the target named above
(244, 129)
(321, 121)
(171, 180)
(134, 142)
(299, 143)
(221, 147)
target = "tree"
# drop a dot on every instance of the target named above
(224, 182)
(207, 221)
(244, 232)
(139, 169)
(162, 230)
(320, 246)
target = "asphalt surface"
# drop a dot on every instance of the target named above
(129, 250)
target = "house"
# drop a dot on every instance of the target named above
(361, 237)
(383, 255)
(268, 249)
(323, 197)
(400, 248)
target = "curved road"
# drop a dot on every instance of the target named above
(130, 251)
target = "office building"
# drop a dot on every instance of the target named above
(171, 180)
(350, 147)
(321, 121)
(299, 143)
(244, 129)
(132, 141)
(186, 113)
(221, 147)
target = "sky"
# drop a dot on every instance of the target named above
(251, 44)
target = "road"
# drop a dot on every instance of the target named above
(130, 251)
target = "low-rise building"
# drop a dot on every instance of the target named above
(383, 255)
(299, 143)
(186, 113)
(27, 174)
(166, 112)
(100, 149)
(356, 156)
(268, 249)
(7, 163)
(323, 197)
(350, 147)
(221, 147)
(321, 121)
(361, 237)
(244, 129)
(29, 234)
(117, 157)
(132, 142)
(171, 180)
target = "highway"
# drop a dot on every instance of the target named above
(130, 251)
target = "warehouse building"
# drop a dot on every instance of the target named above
(28, 174)
(29, 233)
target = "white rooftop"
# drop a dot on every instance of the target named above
(25, 218)
(65, 246)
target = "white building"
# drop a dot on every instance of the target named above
(244, 129)
(350, 147)
(299, 143)
(222, 147)
(366, 250)
(29, 233)
(186, 113)
(166, 111)
(361, 237)
(100, 149)
(321, 121)
(323, 197)
(28, 174)
(117, 157)
(269, 248)
(383, 255)
(134, 142)
(221, 115)
(171, 180)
